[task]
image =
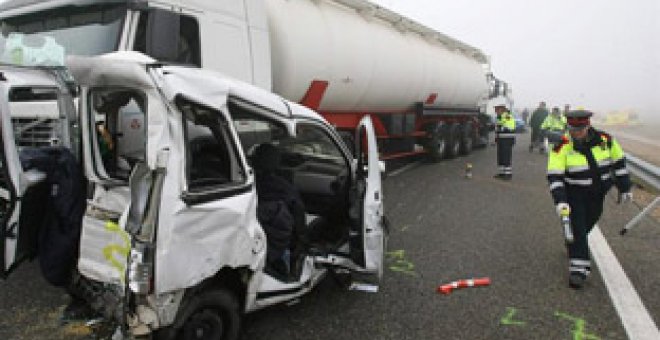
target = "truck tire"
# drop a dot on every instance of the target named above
(211, 314)
(454, 140)
(436, 143)
(467, 138)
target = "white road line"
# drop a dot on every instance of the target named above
(635, 318)
(403, 169)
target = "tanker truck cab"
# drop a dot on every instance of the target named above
(174, 225)
(227, 36)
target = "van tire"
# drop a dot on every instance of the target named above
(210, 314)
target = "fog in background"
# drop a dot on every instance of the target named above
(603, 55)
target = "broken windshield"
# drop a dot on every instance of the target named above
(44, 38)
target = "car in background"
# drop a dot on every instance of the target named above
(521, 126)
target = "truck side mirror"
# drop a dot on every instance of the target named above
(163, 29)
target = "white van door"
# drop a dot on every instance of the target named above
(367, 242)
(34, 112)
(10, 190)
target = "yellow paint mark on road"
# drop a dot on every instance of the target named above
(579, 327)
(400, 263)
(508, 320)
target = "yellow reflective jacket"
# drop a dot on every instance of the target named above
(592, 167)
(506, 125)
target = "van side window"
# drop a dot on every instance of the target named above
(189, 52)
(212, 159)
(119, 131)
(314, 143)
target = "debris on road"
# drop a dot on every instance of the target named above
(449, 287)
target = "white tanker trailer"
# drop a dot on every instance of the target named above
(342, 58)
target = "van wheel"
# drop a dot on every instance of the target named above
(210, 315)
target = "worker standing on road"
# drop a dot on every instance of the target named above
(581, 170)
(553, 128)
(504, 129)
(538, 116)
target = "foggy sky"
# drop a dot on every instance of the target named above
(599, 54)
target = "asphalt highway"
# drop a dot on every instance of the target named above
(444, 228)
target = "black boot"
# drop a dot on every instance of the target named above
(576, 280)
(77, 310)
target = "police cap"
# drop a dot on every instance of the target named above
(578, 117)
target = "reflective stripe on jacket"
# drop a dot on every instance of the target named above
(596, 166)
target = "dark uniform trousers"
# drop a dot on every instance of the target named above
(586, 209)
(504, 151)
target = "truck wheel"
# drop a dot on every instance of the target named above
(212, 314)
(454, 140)
(467, 140)
(436, 143)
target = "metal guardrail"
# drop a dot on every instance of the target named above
(647, 172)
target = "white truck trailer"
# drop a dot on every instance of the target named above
(425, 92)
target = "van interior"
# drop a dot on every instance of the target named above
(313, 165)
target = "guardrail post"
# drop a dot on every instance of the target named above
(639, 216)
(650, 174)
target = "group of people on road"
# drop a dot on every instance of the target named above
(583, 165)
(547, 127)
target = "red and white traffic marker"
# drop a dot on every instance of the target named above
(449, 287)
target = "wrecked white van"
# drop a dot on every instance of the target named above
(172, 243)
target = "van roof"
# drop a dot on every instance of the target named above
(208, 87)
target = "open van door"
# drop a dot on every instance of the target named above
(367, 237)
(10, 190)
(36, 110)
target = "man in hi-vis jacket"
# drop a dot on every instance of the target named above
(581, 170)
(505, 137)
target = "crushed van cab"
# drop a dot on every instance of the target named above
(205, 197)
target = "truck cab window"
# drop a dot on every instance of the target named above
(80, 30)
(119, 129)
(212, 159)
(188, 52)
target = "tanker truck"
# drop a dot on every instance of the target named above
(425, 92)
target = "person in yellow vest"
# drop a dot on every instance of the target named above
(581, 170)
(505, 137)
(553, 127)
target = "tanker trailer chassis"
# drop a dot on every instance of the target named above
(432, 130)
